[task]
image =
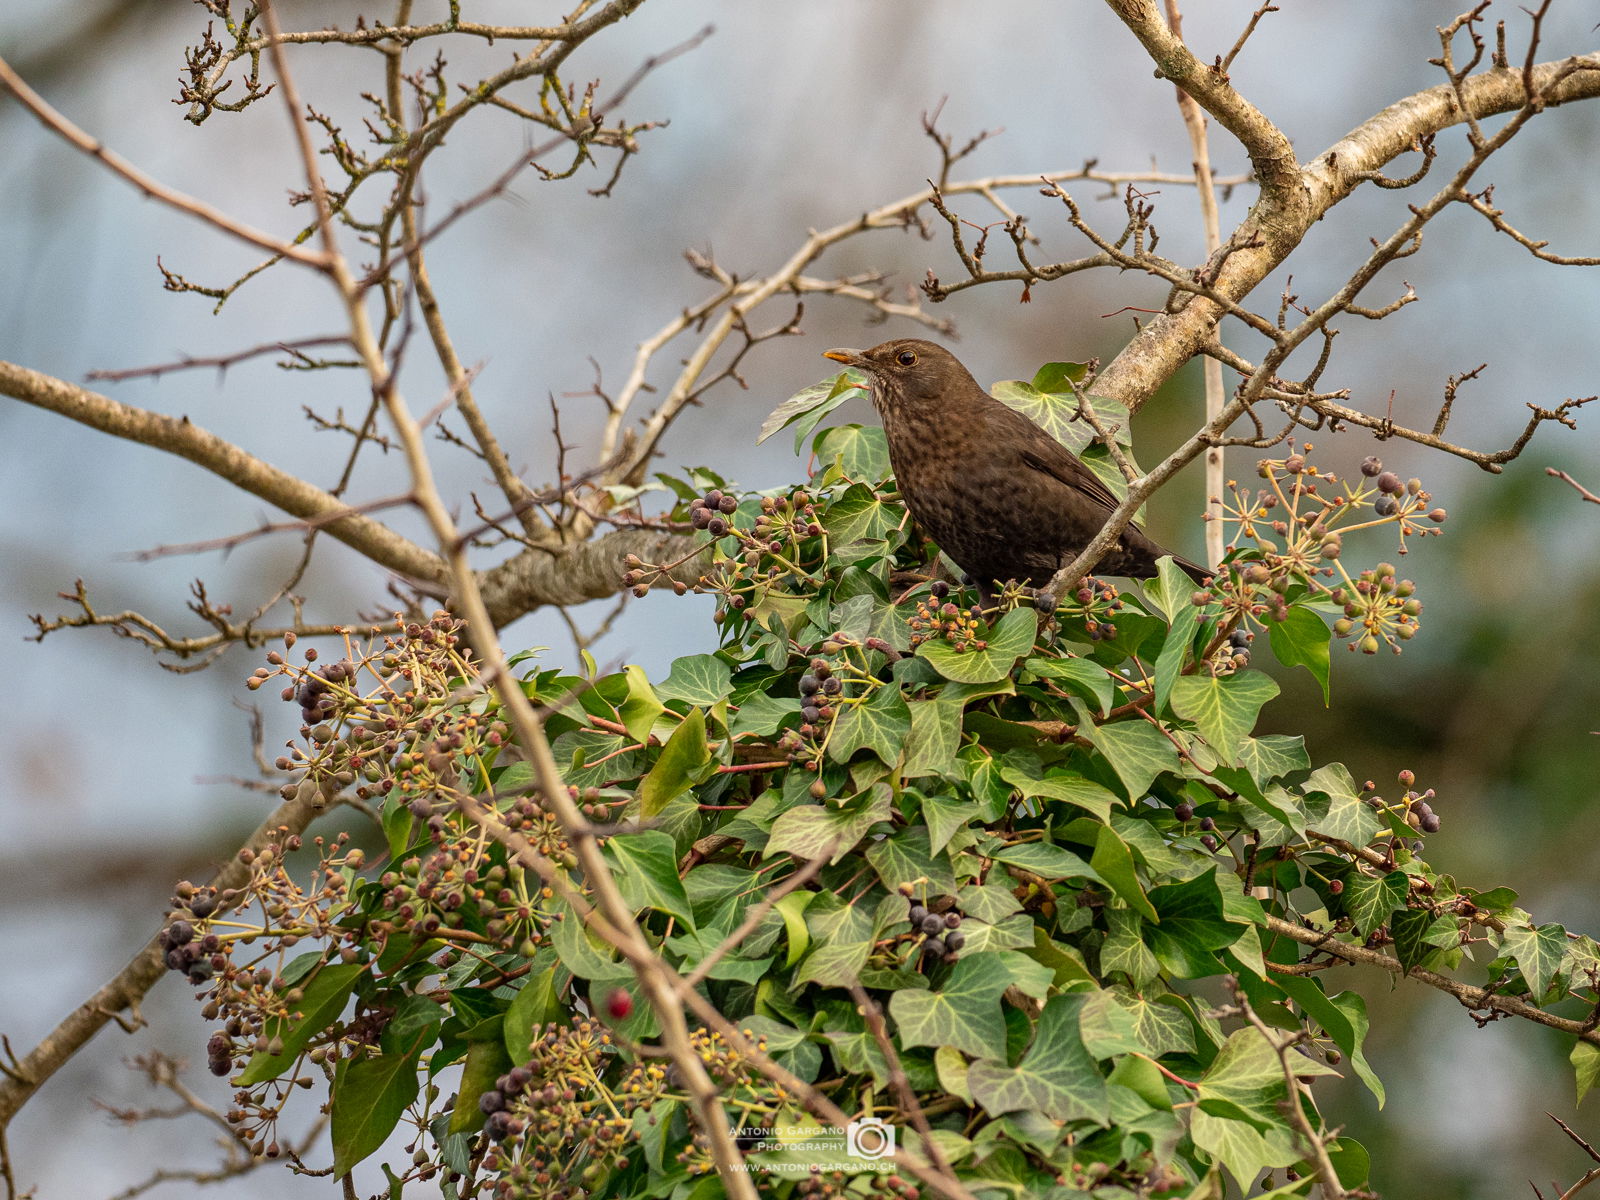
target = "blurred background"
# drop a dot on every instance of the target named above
(119, 774)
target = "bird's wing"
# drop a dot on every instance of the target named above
(1044, 453)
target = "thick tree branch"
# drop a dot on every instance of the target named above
(1283, 217)
(180, 436)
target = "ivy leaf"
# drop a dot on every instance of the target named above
(810, 405)
(1272, 756)
(701, 679)
(1057, 1076)
(1419, 934)
(1010, 638)
(880, 724)
(1050, 403)
(487, 1060)
(684, 761)
(640, 710)
(859, 451)
(1342, 1017)
(1124, 950)
(935, 736)
(1064, 786)
(370, 1095)
(842, 935)
(1113, 862)
(1344, 815)
(645, 865)
(1223, 708)
(1244, 1081)
(1175, 650)
(1192, 926)
(1044, 859)
(1585, 1059)
(1081, 675)
(1302, 640)
(322, 1001)
(808, 830)
(860, 514)
(907, 856)
(535, 1004)
(1136, 750)
(1370, 899)
(965, 1013)
(1539, 953)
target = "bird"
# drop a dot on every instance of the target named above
(1002, 497)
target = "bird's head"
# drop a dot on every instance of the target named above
(907, 373)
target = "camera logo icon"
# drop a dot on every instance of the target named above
(869, 1137)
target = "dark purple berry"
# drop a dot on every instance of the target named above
(491, 1102)
(932, 923)
(809, 685)
(917, 913)
(952, 920)
(934, 948)
(831, 686)
(1371, 465)
(1390, 483)
(1385, 506)
(1430, 823)
(1183, 811)
(1209, 842)
(954, 940)
(716, 527)
(1207, 824)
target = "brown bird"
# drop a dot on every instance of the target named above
(1003, 498)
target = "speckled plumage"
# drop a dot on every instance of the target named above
(1000, 496)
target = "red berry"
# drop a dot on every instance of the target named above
(619, 1004)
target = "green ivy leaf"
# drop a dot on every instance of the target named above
(1054, 406)
(880, 724)
(1342, 814)
(1302, 640)
(1083, 676)
(640, 710)
(965, 1013)
(859, 451)
(907, 856)
(860, 514)
(536, 1003)
(1192, 926)
(807, 407)
(1539, 952)
(1175, 650)
(645, 865)
(1223, 708)
(935, 736)
(1136, 750)
(1585, 1059)
(700, 679)
(1245, 1081)
(1342, 1017)
(1419, 935)
(1370, 899)
(1058, 784)
(323, 1000)
(1272, 756)
(1011, 638)
(1057, 1076)
(843, 935)
(1124, 950)
(1113, 862)
(684, 761)
(370, 1095)
(809, 830)
(487, 1060)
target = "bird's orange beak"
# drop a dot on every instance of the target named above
(850, 358)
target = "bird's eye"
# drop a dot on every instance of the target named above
(906, 358)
